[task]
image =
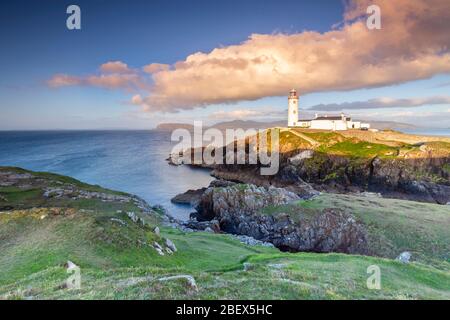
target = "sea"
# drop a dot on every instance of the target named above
(129, 161)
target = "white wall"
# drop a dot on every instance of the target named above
(292, 112)
(329, 124)
(354, 125)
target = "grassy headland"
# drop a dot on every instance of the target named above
(41, 230)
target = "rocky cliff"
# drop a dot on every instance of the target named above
(239, 209)
(341, 163)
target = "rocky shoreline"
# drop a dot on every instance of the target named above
(228, 207)
(236, 201)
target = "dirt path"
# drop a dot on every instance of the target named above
(313, 142)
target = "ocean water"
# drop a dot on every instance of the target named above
(129, 161)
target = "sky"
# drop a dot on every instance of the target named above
(135, 64)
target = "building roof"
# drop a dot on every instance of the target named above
(332, 118)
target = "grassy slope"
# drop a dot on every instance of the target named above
(114, 264)
(394, 225)
(363, 144)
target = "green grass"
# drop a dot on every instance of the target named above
(361, 149)
(337, 144)
(270, 276)
(394, 225)
(290, 141)
(19, 197)
(117, 261)
(326, 138)
(53, 179)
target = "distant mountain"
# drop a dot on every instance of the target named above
(247, 124)
(173, 126)
(244, 124)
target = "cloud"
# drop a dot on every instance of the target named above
(116, 81)
(155, 67)
(414, 43)
(62, 80)
(115, 67)
(113, 75)
(382, 103)
(125, 81)
(410, 46)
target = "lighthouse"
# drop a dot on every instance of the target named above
(324, 122)
(292, 108)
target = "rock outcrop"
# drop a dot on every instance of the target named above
(239, 210)
(190, 197)
(240, 199)
(75, 193)
(418, 179)
(394, 164)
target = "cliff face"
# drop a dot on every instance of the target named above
(239, 209)
(422, 179)
(343, 163)
(419, 179)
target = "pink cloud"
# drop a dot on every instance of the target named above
(414, 43)
(115, 67)
(115, 81)
(155, 67)
(62, 80)
(127, 82)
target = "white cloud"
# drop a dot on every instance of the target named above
(115, 67)
(412, 44)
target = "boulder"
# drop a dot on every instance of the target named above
(248, 266)
(191, 197)
(70, 265)
(252, 241)
(219, 183)
(240, 199)
(171, 245)
(189, 280)
(212, 225)
(404, 257)
(119, 221)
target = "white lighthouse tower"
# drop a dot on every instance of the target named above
(292, 108)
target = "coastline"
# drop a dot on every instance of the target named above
(140, 255)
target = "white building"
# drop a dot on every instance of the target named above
(324, 122)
